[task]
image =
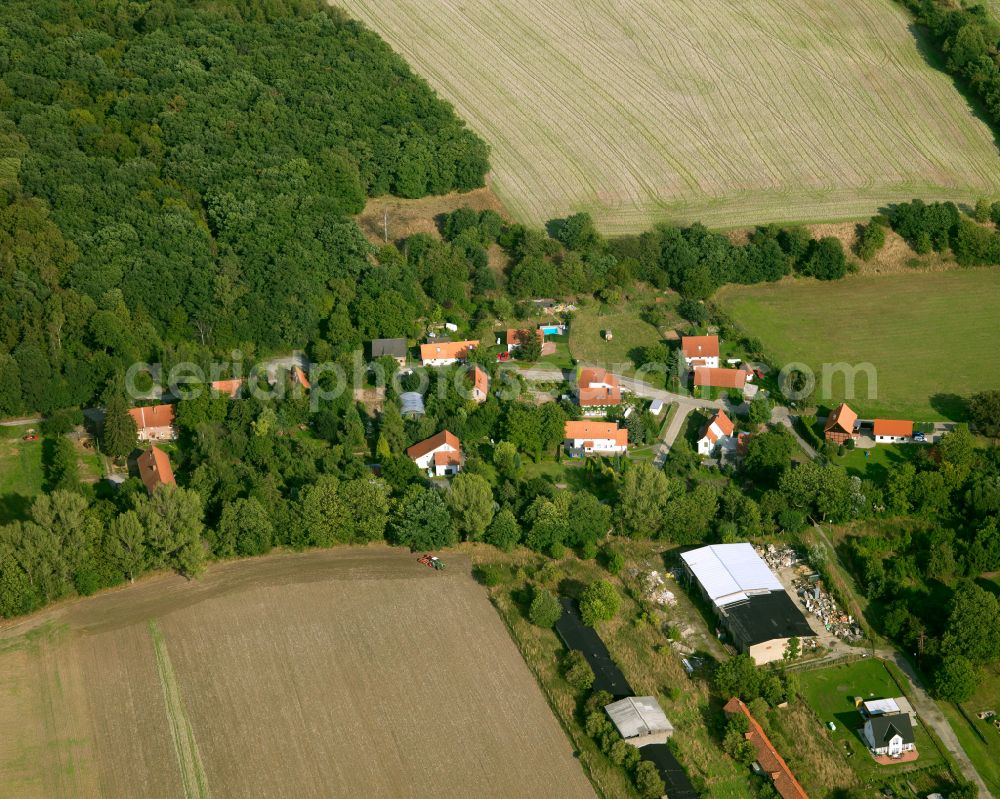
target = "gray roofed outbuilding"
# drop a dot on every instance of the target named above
(393, 347)
(640, 720)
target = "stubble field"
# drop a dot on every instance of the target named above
(731, 113)
(347, 673)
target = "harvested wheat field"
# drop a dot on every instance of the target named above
(723, 111)
(355, 672)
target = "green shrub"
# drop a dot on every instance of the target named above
(576, 670)
(545, 609)
(489, 574)
(612, 559)
(648, 780)
(600, 602)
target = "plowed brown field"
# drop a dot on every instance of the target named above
(354, 672)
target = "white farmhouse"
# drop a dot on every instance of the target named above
(700, 351)
(595, 438)
(440, 455)
(719, 433)
(892, 431)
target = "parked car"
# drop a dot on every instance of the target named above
(503, 356)
(920, 437)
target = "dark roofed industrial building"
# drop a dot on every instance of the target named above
(765, 617)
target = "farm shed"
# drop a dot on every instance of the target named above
(640, 720)
(750, 601)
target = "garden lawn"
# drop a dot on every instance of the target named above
(880, 458)
(629, 332)
(830, 693)
(20, 473)
(932, 337)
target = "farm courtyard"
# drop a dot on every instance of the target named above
(340, 673)
(929, 335)
(723, 112)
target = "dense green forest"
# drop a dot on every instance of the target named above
(968, 43)
(175, 172)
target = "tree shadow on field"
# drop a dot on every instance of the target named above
(926, 48)
(14, 507)
(951, 406)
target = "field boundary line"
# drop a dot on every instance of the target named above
(193, 777)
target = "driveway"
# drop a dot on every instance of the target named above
(781, 416)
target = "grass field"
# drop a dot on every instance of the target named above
(880, 459)
(20, 472)
(830, 693)
(932, 337)
(726, 112)
(980, 739)
(355, 672)
(628, 331)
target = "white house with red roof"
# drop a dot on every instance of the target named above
(480, 384)
(719, 433)
(700, 351)
(440, 455)
(154, 469)
(595, 438)
(892, 431)
(597, 390)
(154, 422)
(445, 353)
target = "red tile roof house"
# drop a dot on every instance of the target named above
(597, 390)
(700, 351)
(440, 455)
(480, 384)
(154, 422)
(892, 431)
(512, 342)
(770, 762)
(299, 378)
(841, 425)
(595, 438)
(719, 433)
(445, 353)
(154, 469)
(710, 377)
(230, 388)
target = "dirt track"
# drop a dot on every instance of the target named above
(353, 672)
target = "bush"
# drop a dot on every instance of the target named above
(489, 574)
(545, 609)
(576, 670)
(648, 780)
(600, 602)
(612, 559)
(588, 551)
(692, 310)
(791, 521)
(871, 240)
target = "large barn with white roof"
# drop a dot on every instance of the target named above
(750, 601)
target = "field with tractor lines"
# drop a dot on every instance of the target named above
(353, 672)
(732, 113)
